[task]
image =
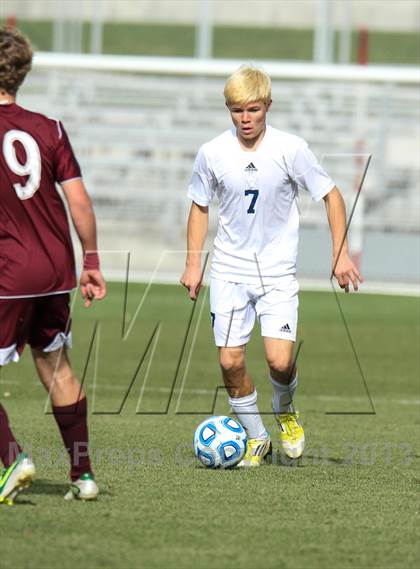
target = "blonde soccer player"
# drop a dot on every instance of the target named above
(256, 170)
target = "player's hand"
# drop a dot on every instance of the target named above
(346, 272)
(191, 279)
(92, 285)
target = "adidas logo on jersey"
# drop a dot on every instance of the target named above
(251, 168)
(285, 328)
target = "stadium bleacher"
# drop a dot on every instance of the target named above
(137, 135)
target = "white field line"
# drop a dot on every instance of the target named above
(203, 391)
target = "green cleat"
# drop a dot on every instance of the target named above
(16, 478)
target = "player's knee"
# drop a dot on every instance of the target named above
(60, 379)
(280, 365)
(232, 363)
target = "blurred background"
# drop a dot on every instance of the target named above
(139, 87)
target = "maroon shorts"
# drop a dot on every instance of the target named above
(42, 322)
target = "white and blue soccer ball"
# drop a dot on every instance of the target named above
(220, 442)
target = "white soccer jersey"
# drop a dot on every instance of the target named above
(257, 235)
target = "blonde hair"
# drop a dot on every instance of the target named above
(15, 59)
(247, 85)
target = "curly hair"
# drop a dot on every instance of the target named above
(15, 59)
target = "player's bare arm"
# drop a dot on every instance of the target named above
(198, 222)
(345, 271)
(92, 283)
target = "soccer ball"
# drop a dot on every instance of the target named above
(220, 442)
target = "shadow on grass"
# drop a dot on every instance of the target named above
(308, 459)
(279, 459)
(39, 487)
(21, 501)
(43, 486)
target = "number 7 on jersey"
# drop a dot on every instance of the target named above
(254, 194)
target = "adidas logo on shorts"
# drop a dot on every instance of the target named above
(285, 328)
(251, 168)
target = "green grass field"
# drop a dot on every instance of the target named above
(351, 502)
(229, 41)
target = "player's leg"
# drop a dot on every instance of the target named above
(277, 311)
(237, 381)
(9, 447)
(282, 373)
(69, 406)
(50, 337)
(19, 470)
(243, 400)
(283, 376)
(13, 316)
(241, 391)
(56, 374)
(233, 318)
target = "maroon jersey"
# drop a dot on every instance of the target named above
(36, 252)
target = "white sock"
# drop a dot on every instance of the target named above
(246, 410)
(282, 401)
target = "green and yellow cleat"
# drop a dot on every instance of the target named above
(84, 488)
(16, 478)
(256, 451)
(292, 436)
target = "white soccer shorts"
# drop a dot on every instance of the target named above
(234, 307)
